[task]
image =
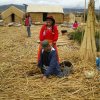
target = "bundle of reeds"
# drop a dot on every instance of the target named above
(88, 47)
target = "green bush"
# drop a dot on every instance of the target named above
(97, 35)
(78, 36)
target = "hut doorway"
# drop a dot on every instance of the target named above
(44, 16)
(13, 17)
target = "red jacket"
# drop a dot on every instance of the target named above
(49, 34)
(28, 21)
(75, 25)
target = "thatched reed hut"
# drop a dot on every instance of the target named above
(12, 14)
(79, 16)
(39, 13)
(71, 17)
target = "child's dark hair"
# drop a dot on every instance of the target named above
(27, 15)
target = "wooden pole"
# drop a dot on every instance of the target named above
(99, 13)
(25, 7)
(85, 12)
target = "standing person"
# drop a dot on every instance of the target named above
(28, 24)
(49, 32)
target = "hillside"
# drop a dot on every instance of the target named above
(4, 7)
(21, 7)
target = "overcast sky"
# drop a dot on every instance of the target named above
(64, 3)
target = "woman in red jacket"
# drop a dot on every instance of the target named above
(49, 32)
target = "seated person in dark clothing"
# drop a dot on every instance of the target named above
(48, 62)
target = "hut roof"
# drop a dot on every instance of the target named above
(45, 8)
(11, 10)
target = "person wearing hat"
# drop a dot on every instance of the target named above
(48, 62)
(49, 32)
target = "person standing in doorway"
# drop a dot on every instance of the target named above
(28, 23)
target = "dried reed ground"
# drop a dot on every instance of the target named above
(17, 54)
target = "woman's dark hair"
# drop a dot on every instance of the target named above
(53, 27)
(53, 23)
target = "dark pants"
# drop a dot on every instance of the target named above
(29, 31)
